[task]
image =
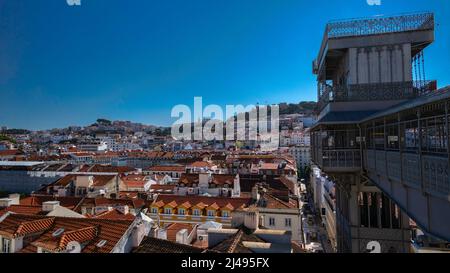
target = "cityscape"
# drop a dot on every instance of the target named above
(363, 167)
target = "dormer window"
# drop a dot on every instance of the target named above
(225, 213)
(154, 210)
(211, 213)
(168, 211)
(181, 211)
(196, 212)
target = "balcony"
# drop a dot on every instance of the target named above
(373, 26)
(374, 92)
(380, 25)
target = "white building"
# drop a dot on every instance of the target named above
(302, 155)
(93, 147)
(324, 201)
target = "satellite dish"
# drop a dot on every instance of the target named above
(73, 247)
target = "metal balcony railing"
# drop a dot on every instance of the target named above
(380, 25)
(345, 158)
(373, 26)
(374, 91)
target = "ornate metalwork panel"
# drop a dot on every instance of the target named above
(393, 163)
(436, 175)
(411, 170)
(380, 25)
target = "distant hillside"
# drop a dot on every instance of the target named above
(303, 107)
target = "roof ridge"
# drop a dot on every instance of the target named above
(235, 241)
(24, 224)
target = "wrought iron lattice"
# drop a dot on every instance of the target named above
(374, 91)
(380, 25)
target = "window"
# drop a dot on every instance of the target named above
(287, 222)
(154, 210)
(6, 245)
(211, 213)
(181, 211)
(196, 212)
(225, 214)
(271, 221)
(168, 211)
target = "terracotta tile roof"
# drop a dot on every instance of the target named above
(135, 180)
(173, 229)
(163, 188)
(81, 236)
(23, 209)
(248, 181)
(155, 245)
(201, 164)
(65, 180)
(202, 201)
(16, 228)
(222, 179)
(74, 228)
(172, 204)
(234, 243)
(114, 214)
(214, 206)
(288, 183)
(273, 202)
(228, 207)
(188, 179)
(103, 180)
(134, 203)
(171, 168)
(186, 204)
(37, 200)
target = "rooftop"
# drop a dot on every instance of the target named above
(88, 231)
(155, 245)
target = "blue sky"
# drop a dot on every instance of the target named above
(134, 60)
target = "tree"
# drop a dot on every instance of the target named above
(103, 121)
(7, 138)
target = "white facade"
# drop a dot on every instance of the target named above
(302, 155)
(282, 219)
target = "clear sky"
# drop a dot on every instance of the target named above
(134, 60)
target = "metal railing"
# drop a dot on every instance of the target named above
(346, 158)
(373, 26)
(380, 25)
(374, 91)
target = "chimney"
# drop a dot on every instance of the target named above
(251, 220)
(15, 197)
(255, 193)
(50, 206)
(124, 209)
(161, 234)
(182, 237)
(5, 202)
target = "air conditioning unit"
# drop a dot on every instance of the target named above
(201, 238)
